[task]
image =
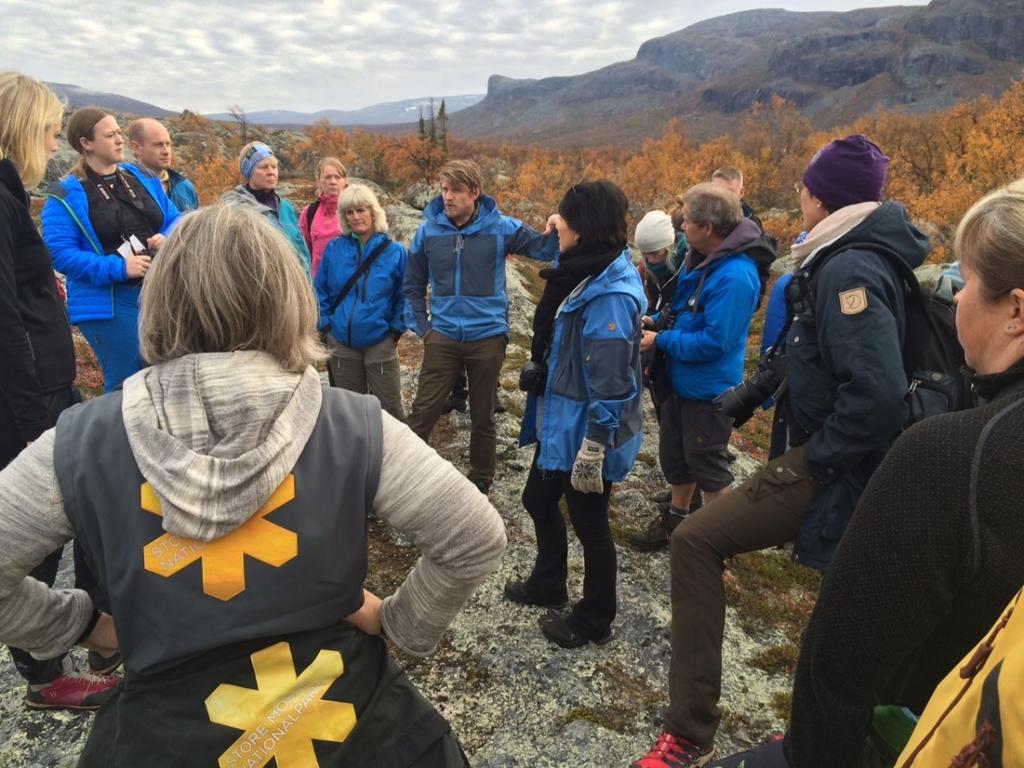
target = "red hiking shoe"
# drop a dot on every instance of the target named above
(675, 752)
(72, 690)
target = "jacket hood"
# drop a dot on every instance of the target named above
(890, 227)
(215, 434)
(487, 209)
(241, 195)
(747, 239)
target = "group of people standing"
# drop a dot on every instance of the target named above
(216, 438)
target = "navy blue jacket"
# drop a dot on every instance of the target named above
(845, 371)
(466, 271)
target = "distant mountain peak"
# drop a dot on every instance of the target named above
(834, 65)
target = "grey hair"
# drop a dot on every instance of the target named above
(227, 280)
(361, 196)
(990, 240)
(708, 203)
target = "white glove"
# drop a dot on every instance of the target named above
(586, 471)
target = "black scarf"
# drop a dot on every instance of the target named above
(268, 197)
(574, 265)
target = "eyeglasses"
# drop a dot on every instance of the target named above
(798, 187)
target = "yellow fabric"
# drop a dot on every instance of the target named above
(959, 728)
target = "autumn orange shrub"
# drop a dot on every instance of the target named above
(213, 177)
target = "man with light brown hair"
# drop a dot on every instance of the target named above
(460, 251)
(731, 178)
(151, 144)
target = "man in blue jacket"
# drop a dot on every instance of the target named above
(151, 144)
(460, 251)
(703, 348)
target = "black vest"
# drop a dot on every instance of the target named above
(234, 649)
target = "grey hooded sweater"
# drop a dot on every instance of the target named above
(214, 434)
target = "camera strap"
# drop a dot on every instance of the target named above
(107, 193)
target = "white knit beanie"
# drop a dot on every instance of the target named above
(654, 232)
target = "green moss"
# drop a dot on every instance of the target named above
(611, 718)
(634, 699)
(646, 458)
(388, 563)
(529, 271)
(782, 705)
(777, 659)
(768, 590)
(515, 408)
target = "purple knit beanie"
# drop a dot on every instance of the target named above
(847, 171)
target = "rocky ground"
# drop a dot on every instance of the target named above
(513, 698)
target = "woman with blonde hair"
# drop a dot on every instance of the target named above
(319, 220)
(359, 289)
(223, 496)
(259, 168)
(103, 224)
(38, 374)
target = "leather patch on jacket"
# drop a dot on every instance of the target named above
(853, 302)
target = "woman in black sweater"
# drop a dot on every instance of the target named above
(933, 553)
(38, 371)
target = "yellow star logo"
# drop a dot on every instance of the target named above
(285, 713)
(224, 558)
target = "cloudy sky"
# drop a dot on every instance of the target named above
(334, 54)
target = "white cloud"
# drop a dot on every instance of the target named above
(309, 55)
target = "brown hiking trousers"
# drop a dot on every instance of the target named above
(765, 511)
(443, 360)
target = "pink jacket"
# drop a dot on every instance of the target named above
(324, 229)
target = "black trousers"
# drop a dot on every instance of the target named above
(588, 513)
(33, 670)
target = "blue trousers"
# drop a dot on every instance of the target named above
(116, 341)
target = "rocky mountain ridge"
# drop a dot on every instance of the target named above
(834, 66)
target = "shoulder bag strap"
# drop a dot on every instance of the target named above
(363, 268)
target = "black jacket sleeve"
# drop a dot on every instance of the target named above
(19, 385)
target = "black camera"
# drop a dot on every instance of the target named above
(740, 402)
(666, 320)
(533, 377)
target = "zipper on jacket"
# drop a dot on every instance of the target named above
(460, 242)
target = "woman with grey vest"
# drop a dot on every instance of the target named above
(223, 496)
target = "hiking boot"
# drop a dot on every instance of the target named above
(482, 485)
(103, 665)
(662, 498)
(657, 534)
(518, 592)
(674, 752)
(563, 631)
(455, 403)
(72, 690)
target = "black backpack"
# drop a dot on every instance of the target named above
(932, 356)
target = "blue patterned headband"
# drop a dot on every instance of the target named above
(253, 156)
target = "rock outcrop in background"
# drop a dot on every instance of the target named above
(834, 66)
